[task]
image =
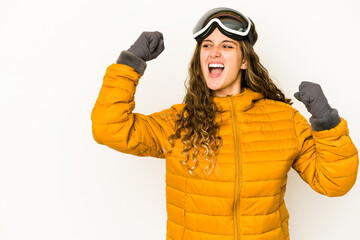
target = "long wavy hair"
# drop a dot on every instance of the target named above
(196, 125)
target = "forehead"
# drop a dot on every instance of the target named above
(217, 37)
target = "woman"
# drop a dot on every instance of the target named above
(230, 145)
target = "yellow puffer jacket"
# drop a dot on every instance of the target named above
(243, 198)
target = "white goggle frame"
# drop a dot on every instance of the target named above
(225, 28)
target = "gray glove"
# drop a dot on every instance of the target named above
(323, 116)
(148, 46)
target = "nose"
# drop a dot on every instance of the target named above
(215, 52)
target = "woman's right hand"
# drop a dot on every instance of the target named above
(148, 46)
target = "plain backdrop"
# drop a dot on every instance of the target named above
(57, 183)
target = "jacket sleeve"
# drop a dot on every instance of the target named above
(116, 126)
(327, 160)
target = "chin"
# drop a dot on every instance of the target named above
(214, 84)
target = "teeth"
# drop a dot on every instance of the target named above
(216, 65)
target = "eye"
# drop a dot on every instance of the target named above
(205, 45)
(228, 46)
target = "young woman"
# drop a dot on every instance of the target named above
(231, 143)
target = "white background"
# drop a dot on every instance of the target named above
(57, 183)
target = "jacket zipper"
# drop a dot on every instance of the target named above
(238, 166)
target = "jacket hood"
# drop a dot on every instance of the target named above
(243, 101)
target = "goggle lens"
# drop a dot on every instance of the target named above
(231, 21)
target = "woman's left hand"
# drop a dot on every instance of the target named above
(314, 99)
(323, 116)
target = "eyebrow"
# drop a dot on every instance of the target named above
(207, 40)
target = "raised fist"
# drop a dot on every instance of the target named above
(148, 46)
(323, 116)
(314, 99)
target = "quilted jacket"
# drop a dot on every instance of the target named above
(243, 198)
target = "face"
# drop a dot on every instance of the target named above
(221, 62)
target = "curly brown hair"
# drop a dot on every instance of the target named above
(196, 125)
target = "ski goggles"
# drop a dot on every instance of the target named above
(230, 22)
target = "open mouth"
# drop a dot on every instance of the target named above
(215, 69)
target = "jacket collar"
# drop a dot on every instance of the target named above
(242, 101)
